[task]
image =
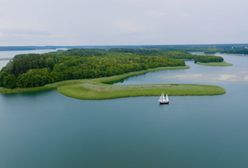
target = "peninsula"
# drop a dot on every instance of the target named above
(90, 73)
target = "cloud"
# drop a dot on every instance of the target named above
(97, 22)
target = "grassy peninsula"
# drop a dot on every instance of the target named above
(98, 91)
(90, 73)
(103, 88)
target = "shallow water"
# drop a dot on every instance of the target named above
(50, 130)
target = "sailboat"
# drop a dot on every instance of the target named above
(164, 100)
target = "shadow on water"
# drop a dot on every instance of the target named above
(30, 94)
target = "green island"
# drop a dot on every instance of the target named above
(216, 64)
(91, 73)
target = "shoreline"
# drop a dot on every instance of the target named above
(216, 64)
(53, 86)
(89, 91)
(103, 88)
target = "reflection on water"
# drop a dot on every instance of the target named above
(228, 77)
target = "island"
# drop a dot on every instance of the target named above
(91, 73)
(224, 63)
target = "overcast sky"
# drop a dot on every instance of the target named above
(118, 22)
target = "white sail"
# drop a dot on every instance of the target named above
(167, 98)
(163, 99)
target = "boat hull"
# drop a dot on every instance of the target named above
(161, 103)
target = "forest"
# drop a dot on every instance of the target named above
(33, 70)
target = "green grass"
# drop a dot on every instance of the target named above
(97, 91)
(215, 64)
(37, 89)
(102, 88)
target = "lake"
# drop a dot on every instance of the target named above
(49, 130)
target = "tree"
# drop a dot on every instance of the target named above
(34, 78)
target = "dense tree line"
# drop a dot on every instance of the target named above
(196, 58)
(32, 70)
(207, 59)
(237, 51)
(83, 52)
(139, 51)
(21, 63)
(208, 48)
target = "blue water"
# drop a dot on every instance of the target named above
(53, 131)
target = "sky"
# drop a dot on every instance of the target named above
(122, 22)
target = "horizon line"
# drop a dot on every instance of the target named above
(103, 45)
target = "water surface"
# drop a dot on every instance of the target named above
(53, 131)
